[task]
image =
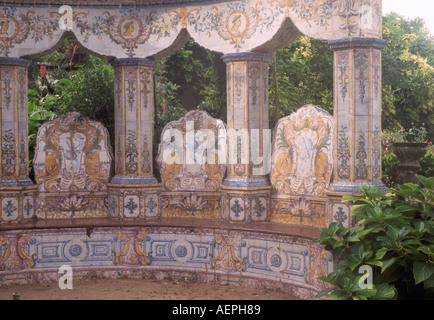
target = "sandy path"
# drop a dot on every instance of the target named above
(135, 289)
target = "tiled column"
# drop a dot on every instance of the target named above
(247, 187)
(357, 116)
(133, 188)
(16, 188)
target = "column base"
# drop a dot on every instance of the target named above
(17, 204)
(340, 211)
(246, 204)
(134, 200)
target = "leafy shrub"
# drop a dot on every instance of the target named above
(389, 164)
(394, 236)
(427, 163)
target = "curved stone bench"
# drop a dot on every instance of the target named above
(269, 255)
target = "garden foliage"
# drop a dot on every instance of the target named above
(394, 236)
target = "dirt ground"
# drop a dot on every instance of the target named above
(139, 289)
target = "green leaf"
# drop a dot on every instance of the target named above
(368, 293)
(387, 263)
(375, 263)
(359, 211)
(339, 295)
(429, 250)
(352, 239)
(427, 182)
(385, 291)
(66, 82)
(381, 252)
(422, 271)
(411, 241)
(391, 213)
(404, 208)
(430, 212)
(419, 226)
(342, 231)
(374, 229)
(429, 283)
(322, 293)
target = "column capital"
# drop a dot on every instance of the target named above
(15, 62)
(133, 62)
(357, 43)
(248, 56)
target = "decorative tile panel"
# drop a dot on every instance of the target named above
(54, 250)
(73, 160)
(341, 214)
(151, 205)
(191, 155)
(131, 206)
(302, 159)
(236, 209)
(238, 26)
(72, 154)
(9, 209)
(28, 204)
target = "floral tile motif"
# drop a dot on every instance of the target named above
(131, 206)
(151, 205)
(344, 154)
(28, 207)
(341, 214)
(9, 209)
(113, 205)
(235, 26)
(236, 209)
(361, 158)
(258, 209)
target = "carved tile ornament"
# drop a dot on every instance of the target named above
(223, 26)
(191, 156)
(302, 159)
(72, 154)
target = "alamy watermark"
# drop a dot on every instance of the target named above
(66, 21)
(366, 17)
(65, 281)
(366, 280)
(229, 147)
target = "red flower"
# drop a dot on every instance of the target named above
(42, 70)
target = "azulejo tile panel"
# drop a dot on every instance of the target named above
(17, 206)
(192, 155)
(72, 167)
(302, 166)
(235, 26)
(9, 209)
(341, 214)
(299, 210)
(188, 204)
(192, 161)
(72, 153)
(302, 158)
(219, 254)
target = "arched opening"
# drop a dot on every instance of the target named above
(67, 78)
